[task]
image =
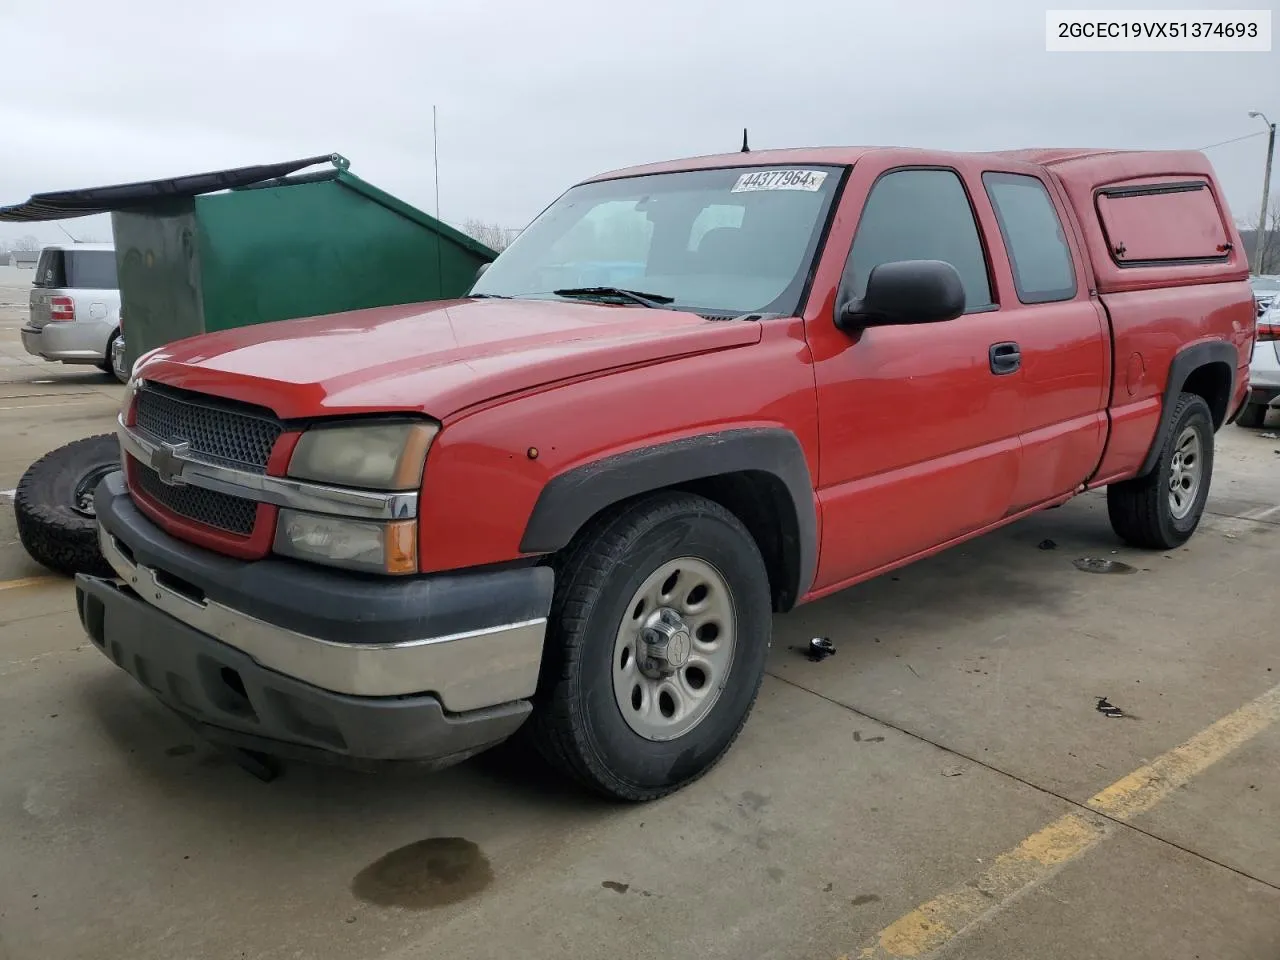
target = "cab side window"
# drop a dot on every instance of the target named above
(919, 215)
(1038, 251)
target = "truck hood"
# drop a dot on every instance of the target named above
(434, 358)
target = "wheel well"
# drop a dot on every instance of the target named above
(1212, 381)
(761, 501)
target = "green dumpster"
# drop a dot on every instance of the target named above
(224, 249)
(251, 245)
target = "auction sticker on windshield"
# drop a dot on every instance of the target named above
(810, 180)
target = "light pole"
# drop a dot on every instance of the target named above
(1258, 245)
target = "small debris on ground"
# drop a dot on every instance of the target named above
(820, 648)
(955, 770)
(1047, 545)
(1098, 565)
(1269, 436)
(1108, 709)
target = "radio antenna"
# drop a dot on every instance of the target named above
(435, 162)
(745, 148)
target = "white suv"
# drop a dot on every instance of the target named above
(75, 306)
(1264, 369)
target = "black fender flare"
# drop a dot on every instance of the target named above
(1184, 363)
(572, 498)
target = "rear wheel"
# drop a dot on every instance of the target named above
(1162, 510)
(1253, 415)
(658, 636)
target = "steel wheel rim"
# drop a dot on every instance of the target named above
(665, 689)
(1186, 471)
(118, 366)
(82, 496)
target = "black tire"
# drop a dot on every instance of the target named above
(105, 365)
(1252, 416)
(577, 724)
(1139, 509)
(54, 531)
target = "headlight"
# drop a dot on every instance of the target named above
(354, 544)
(378, 456)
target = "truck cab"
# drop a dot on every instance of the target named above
(688, 396)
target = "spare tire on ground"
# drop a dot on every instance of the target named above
(54, 506)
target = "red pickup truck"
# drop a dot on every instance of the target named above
(689, 395)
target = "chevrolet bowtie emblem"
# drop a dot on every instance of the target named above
(168, 459)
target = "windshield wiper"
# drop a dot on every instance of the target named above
(488, 296)
(635, 296)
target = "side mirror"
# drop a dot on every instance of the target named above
(905, 292)
(480, 272)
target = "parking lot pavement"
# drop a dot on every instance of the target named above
(943, 786)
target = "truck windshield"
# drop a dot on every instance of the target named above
(726, 241)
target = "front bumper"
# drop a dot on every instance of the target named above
(371, 668)
(232, 700)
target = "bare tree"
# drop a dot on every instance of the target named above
(27, 243)
(490, 234)
(1269, 262)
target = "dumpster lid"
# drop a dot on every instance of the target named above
(93, 200)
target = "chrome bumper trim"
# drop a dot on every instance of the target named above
(467, 671)
(184, 467)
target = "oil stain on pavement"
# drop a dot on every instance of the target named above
(425, 874)
(1096, 565)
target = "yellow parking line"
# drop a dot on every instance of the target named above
(28, 582)
(1147, 786)
(932, 925)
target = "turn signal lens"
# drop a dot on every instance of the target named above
(351, 544)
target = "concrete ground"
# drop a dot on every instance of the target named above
(943, 786)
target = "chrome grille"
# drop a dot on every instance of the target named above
(209, 507)
(213, 431)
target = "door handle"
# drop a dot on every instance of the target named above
(1004, 357)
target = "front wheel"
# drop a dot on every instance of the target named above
(656, 647)
(1162, 510)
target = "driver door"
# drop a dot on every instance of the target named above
(918, 425)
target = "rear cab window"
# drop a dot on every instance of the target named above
(1043, 271)
(1162, 220)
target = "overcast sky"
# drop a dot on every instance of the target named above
(534, 96)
